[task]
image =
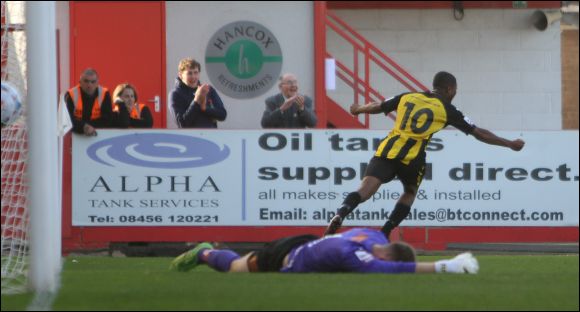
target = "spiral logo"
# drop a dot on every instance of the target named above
(158, 150)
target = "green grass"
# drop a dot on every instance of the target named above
(537, 282)
(16, 302)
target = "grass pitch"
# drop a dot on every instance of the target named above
(506, 282)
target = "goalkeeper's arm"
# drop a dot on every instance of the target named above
(463, 263)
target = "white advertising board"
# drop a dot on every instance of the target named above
(300, 178)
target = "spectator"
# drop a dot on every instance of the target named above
(89, 104)
(195, 105)
(130, 112)
(288, 109)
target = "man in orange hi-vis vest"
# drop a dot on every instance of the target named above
(89, 104)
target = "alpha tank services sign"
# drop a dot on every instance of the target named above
(300, 178)
(243, 59)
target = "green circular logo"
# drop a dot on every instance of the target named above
(243, 60)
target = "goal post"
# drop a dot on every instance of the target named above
(45, 212)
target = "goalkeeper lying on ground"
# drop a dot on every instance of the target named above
(358, 250)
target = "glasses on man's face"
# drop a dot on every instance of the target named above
(90, 81)
(291, 83)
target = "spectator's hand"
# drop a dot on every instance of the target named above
(300, 102)
(205, 89)
(89, 130)
(517, 145)
(201, 95)
(288, 103)
(354, 109)
(198, 94)
(120, 103)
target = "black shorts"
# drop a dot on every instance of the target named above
(386, 170)
(271, 257)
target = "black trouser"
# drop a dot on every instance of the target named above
(271, 257)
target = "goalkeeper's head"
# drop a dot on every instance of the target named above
(397, 251)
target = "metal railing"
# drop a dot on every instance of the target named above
(360, 83)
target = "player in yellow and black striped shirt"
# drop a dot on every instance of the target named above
(402, 153)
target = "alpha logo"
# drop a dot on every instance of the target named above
(243, 60)
(158, 150)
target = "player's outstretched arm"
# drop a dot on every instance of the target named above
(370, 108)
(488, 137)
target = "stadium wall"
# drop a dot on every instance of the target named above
(509, 79)
(63, 28)
(190, 25)
(509, 74)
(570, 78)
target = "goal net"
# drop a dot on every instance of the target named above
(15, 216)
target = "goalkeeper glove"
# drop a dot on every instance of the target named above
(463, 263)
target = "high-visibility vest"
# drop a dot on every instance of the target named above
(134, 113)
(137, 114)
(75, 95)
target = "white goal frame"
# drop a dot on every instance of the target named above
(43, 175)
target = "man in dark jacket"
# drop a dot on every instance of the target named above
(288, 109)
(195, 105)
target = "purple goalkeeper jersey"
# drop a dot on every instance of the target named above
(350, 251)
